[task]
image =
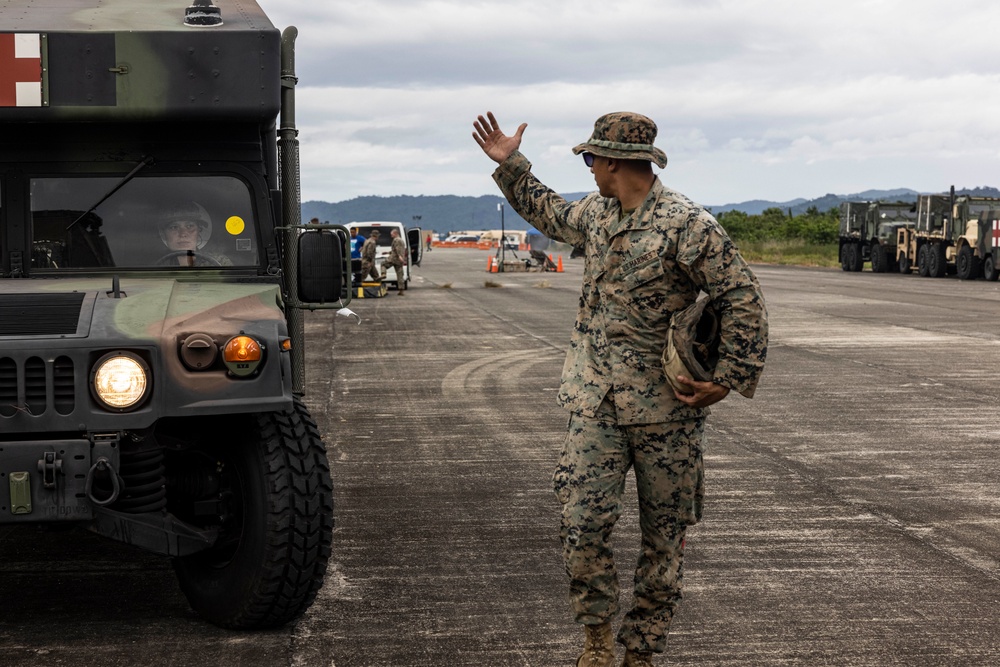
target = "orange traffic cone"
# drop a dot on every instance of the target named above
(559, 268)
(489, 264)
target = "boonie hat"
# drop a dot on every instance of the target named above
(692, 346)
(623, 135)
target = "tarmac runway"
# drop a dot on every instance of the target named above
(851, 511)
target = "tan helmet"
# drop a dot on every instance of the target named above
(692, 344)
(190, 212)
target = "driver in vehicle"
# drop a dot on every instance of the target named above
(185, 233)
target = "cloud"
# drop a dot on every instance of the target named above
(753, 98)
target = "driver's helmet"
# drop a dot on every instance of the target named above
(192, 212)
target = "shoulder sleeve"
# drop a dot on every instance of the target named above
(550, 213)
(709, 257)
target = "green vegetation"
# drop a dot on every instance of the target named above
(777, 237)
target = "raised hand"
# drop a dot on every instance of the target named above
(497, 145)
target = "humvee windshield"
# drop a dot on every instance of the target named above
(151, 222)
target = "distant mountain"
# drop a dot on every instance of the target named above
(828, 201)
(442, 214)
(449, 213)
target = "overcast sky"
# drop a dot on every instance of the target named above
(754, 99)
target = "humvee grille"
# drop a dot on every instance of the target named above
(29, 387)
(40, 315)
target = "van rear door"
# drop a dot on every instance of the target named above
(413, 237)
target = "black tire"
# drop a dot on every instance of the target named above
(878, 259)
(275, 541)
(904, 264)
(922, 261)
(990, 271)
(937, 265)
(969, 266)
(855, 261)
(843, 257)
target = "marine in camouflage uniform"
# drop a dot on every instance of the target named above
(368, 257)
(643, 263)
(395, 259)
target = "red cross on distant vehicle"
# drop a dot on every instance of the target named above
(20, 70)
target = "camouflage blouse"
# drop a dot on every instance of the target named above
(397, 252)
(640, 269)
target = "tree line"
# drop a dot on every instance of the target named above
(813, 227)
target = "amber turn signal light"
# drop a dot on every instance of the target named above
(242, 355)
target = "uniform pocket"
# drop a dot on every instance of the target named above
(697, 467)
(644, 295)
(561, 476)
(560, 484)
(644, 274)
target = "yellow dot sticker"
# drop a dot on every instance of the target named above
(235, 225)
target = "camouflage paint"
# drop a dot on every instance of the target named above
(229, 72)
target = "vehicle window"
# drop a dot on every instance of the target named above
(384, 234)
(151, 222)
(984, 211)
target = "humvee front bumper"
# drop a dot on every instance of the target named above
(54, 480)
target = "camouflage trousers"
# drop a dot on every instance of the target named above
(399, 273)
(368, 268)
(590, 481)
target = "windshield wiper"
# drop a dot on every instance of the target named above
(145, 162)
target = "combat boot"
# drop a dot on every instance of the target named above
(598, 647)
(637, 659)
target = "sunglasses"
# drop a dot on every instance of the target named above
(588, 159)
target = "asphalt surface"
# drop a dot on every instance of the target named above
(851, 510)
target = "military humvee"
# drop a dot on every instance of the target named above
(154, 281)
(954, 233)
(868, 232)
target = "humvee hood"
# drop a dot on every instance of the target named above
(144, 310)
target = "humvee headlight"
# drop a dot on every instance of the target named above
(242, 355)
(120, 380)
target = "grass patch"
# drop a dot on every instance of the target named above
(792, 252)
(542, 284)
(491, 284)
(445, 286)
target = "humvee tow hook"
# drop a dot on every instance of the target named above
(103, 467)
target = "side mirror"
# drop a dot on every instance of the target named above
(322, 268)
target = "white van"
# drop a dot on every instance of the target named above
(410, 235)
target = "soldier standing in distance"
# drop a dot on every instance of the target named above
(649, 252)
(395, 259)
(368, 257)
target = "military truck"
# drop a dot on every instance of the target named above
(868, 232)
(953, 234)
(154, 280)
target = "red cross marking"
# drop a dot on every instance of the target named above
(15, 70)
